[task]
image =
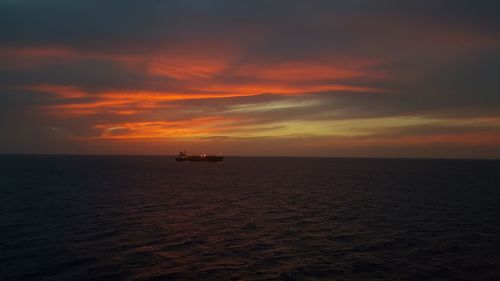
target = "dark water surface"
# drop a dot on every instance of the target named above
(151, 218)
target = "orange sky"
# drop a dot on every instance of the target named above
(342, 81)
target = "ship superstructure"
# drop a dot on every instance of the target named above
(184, 156)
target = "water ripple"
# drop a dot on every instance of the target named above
(149, 218)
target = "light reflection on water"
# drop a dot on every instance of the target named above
(151, 218)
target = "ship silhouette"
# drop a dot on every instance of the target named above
(184, 156)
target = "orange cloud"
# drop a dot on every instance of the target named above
(186, 68)
(161, 96)
(283, 88)
(130, 102)
(79, 109)
(164, 129)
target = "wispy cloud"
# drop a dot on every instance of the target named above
(301, 76)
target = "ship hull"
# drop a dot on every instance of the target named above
(200, 158)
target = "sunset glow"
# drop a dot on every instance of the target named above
(186, 76)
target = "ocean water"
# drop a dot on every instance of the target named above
(151, 218)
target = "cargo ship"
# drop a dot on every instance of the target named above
(183, 156)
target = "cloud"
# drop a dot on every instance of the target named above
(308, 74)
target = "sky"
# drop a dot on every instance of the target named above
(357, 78)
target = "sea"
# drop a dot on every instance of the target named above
(248, 218)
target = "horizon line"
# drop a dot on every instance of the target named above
(248, 156)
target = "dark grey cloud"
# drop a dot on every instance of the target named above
(116, 25)
(438, 58)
